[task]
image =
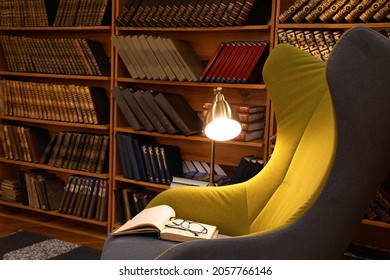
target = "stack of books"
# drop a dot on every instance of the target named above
(68, 56)
(162, 112)
(188, 13)
(55, 102)
(144, 160)
(85, 197)
(10, 190)
(237, 62)
(336, 11)
(252, 120)
(158, 58)
(318, 43)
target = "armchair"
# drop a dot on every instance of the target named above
(332, 151)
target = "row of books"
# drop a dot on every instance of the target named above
(10, 190)
(318, 43)
(162, 112)
(130, 201)
(68, 56)
(55, 102)
(336, 11)
(40, 189)
(190, 13)
(236, 62)
(81, 12)
(251, 117)
(23, 143)
(144, 160)
(41, 13)
(158, 58)
(85, 197)
(380, 207)
(78, 151)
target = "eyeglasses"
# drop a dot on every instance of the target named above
(181, 224)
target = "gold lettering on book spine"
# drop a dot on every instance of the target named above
(300, 15)
(381, 14)
(328, 13)
(319, 9)
(357, 10)
(370, 11)
(340, 15)
(284, 16)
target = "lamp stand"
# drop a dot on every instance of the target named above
(212, 159)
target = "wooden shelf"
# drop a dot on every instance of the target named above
(103, 128)
(248, 28)
(55, 220)
(54, 169)
(55, 76)
(45, 29)
(192, 84)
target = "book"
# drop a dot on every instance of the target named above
(292, 9)
(148, 110)
(131, 101)
(254, 12)
(382, 13)
(243, 169)
(357, 10)
(318, 10)
(371, 10)
(250, 135)
(163, 221)
(305, 10)
(332, 10)
(135, 124)
(170, 128)
(191, 65)
(179, 112)
(341, 13)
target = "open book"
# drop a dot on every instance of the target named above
(162, 220)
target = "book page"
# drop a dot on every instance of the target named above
(154, 218)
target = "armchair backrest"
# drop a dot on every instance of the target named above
(326, 111)
(296, 83)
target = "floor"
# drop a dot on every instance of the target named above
(9, 225)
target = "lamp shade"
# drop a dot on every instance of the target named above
(222, 122)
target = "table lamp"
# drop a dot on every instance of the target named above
(222, 124)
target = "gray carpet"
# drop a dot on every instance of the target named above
(23, 245)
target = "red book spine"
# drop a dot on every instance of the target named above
(232, 64)
(220, 59)
(244, 48)
(211, 62)
(247, 56)
(228, 62)
(255, 58)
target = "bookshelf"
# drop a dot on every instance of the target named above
(204, 41)
(371, 232)
(41, 86)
